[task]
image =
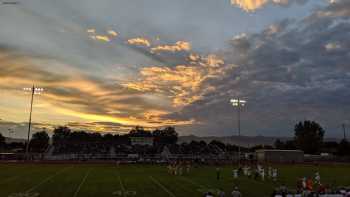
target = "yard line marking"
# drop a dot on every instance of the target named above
(194, 183)
(9, 179)
(81, 183)
(47, 179)
(120, 180)
(162, 186)
(121, 183)
(122, 186)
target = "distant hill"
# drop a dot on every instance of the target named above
(10, 140)
(245, 141)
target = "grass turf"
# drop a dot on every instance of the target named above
(91, 180)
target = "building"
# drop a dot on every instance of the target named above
(280, 156)
(142, 141)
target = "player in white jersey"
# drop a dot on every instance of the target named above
(269, 172)
(304, 183)
(274, 174)
(262, 174)
(317, 178)
(235, 173)
(245, 169)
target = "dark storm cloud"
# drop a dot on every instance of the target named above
(289, 72)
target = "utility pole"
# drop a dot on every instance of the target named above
(30, 121)
(344, 131)
(33, 90)
(239, 131)
(238, 103)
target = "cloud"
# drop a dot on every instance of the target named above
(139, 41)
(101, 38)
(184, 84)
(112, 33)
(91, 31)
(76, 95)
(332, 46)
(20, 129)
(177, 47)
(253, 5)
(290, 71)
(336, 9)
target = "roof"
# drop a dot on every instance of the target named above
(141, 137)
(278, 150)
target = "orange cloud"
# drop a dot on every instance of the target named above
(91, 31)
(193, 57)
(72, 96)
(178, 46)
(139, 41)
(253, 5)
(183, 84)
(101, 38)
(112, 33)
(151, 118)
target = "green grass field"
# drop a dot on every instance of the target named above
(92, 180)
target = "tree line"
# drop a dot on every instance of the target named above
(309, 137)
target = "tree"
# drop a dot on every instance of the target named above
(219, 144)
(330, 147)
(290, 145)
(309, 136)
(60, 135)
(139, 132)
(165, 136)
(279, 144)
(39, 141)
(343, 148)
(2, 140)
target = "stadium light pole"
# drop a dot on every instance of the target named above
(238, 103)
(33, 90)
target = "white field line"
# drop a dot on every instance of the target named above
(120, 180)
(162, 186)
(9, 179)
(47, 179)
(81, 183)
(121, 185)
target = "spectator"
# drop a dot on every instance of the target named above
(208, 194)
(236, 192)
(221, 193)
(218, 173)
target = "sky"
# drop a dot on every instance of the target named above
(110, 65)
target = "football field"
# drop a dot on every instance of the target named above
(97, 180)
